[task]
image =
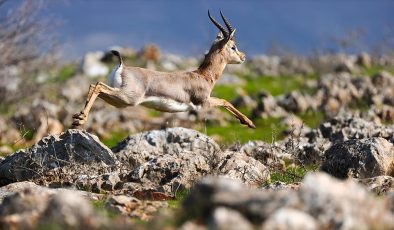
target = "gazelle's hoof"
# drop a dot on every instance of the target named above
(251, 125)
(79, 116)
(248, 122)
(79, 119)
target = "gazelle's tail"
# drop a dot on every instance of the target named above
(117, 54)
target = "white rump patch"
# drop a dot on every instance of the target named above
(168, 105)
(115, 80)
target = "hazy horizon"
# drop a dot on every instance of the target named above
(183, 26)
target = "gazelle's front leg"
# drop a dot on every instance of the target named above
(215, 102)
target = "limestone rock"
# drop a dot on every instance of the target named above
(168, 159)
(73, 147)
(322, 202)
(363, 158)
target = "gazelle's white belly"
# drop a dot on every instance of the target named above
(168, 105)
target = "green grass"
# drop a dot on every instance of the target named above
(114, 138)
(312, 118)
(179, 197)
(266, 129)
(276, 85)
(224, 91)
(99, 206)
(292, 174)
(64, 73)
(273, 85)
(371, 70)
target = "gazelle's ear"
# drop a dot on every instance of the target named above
(219, 36)
(232, 34)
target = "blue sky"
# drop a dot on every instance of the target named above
(181, 26)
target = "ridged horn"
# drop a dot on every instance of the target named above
(224, 32)
(228, 25)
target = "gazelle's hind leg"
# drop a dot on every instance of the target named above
(113, 96)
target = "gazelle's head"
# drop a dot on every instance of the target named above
(225, 43)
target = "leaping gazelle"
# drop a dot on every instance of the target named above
(171, 91)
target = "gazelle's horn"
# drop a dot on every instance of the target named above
(224, 32)
(228, 25)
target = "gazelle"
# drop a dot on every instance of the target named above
(171, 91)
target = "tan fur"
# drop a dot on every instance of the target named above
(171, 91)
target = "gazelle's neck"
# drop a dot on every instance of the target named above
(212, 67)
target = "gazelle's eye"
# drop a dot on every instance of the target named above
(234, 48)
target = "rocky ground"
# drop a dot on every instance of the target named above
(321, 158)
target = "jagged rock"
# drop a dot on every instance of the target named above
(346, 127)
(169, 159)
(267, 107)
(111, 182)
(322, 201)
(75, 88)
(172, 159)
(243, 100)
(288, 218)
(37, 206)
(278, 185)
(380, 185)
(230, 79)
(68, 209)
(293, 102)
(363, 158)
(265, 65)
(364, 60)
(71, 148)
(228, 219)
(240, 166)
(133, 207)
(384, 83)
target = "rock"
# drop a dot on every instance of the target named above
(271, 155)
(230, 79)
(190, 225)
(5, 150)
(364, 60)
(168, 159)
(343, 203)
(111, 182)
(92, 66)
(227, 219)
(265, 65)
(76, 88)
(70, 210)
(240, 166)
(267, 107)
(363, 158)
(174, 158)
(291, 219)
(40, 118)
(8, 134)
(322, 202)
(278, 185)
(133, 207)
(379, 185)
(384, 83)
(293, 102)
(70, 149)
(32, 206)
(347, 126)
(16, 187)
